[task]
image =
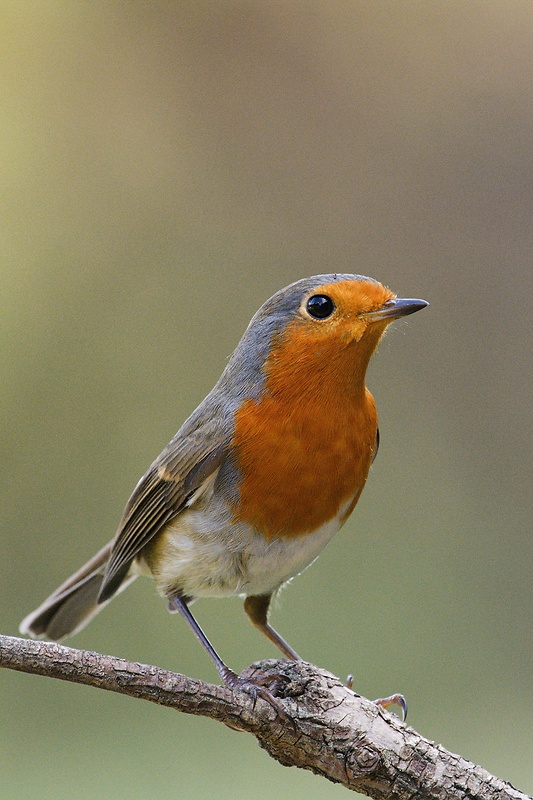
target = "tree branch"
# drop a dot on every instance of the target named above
(329, 729)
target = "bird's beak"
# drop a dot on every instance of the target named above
(392, 309)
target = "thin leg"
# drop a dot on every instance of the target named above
(180, 605)
(256, 606)
(229, 677)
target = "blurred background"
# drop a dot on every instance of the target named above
(165, 168)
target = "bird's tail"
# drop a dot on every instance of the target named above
(73, 604)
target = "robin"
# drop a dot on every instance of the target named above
(260, 477)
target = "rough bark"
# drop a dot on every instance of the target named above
(328, 729)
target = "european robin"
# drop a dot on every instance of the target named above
(261, 476)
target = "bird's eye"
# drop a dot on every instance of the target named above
(320, 306)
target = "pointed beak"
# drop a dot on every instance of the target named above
(393, 309)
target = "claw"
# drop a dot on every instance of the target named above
(394, 700)
(385, 702)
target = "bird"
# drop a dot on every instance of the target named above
(261, 475)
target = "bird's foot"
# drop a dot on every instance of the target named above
(263, 686)
(394, 700)
(385, 702)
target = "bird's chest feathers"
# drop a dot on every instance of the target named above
(303, 453)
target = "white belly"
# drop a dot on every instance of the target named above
(203, 553)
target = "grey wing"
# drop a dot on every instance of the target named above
(161, 494)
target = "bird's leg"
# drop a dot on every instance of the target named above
(256, 606)
(229, 677)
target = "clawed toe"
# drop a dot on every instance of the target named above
(393, 700)
(385, 702)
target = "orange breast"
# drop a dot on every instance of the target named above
(305, 446)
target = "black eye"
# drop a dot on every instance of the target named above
(320, 306)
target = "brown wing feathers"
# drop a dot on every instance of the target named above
(159, 497)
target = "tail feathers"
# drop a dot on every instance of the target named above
(73, 604)
(65, 614)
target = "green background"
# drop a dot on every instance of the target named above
(165, 167)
